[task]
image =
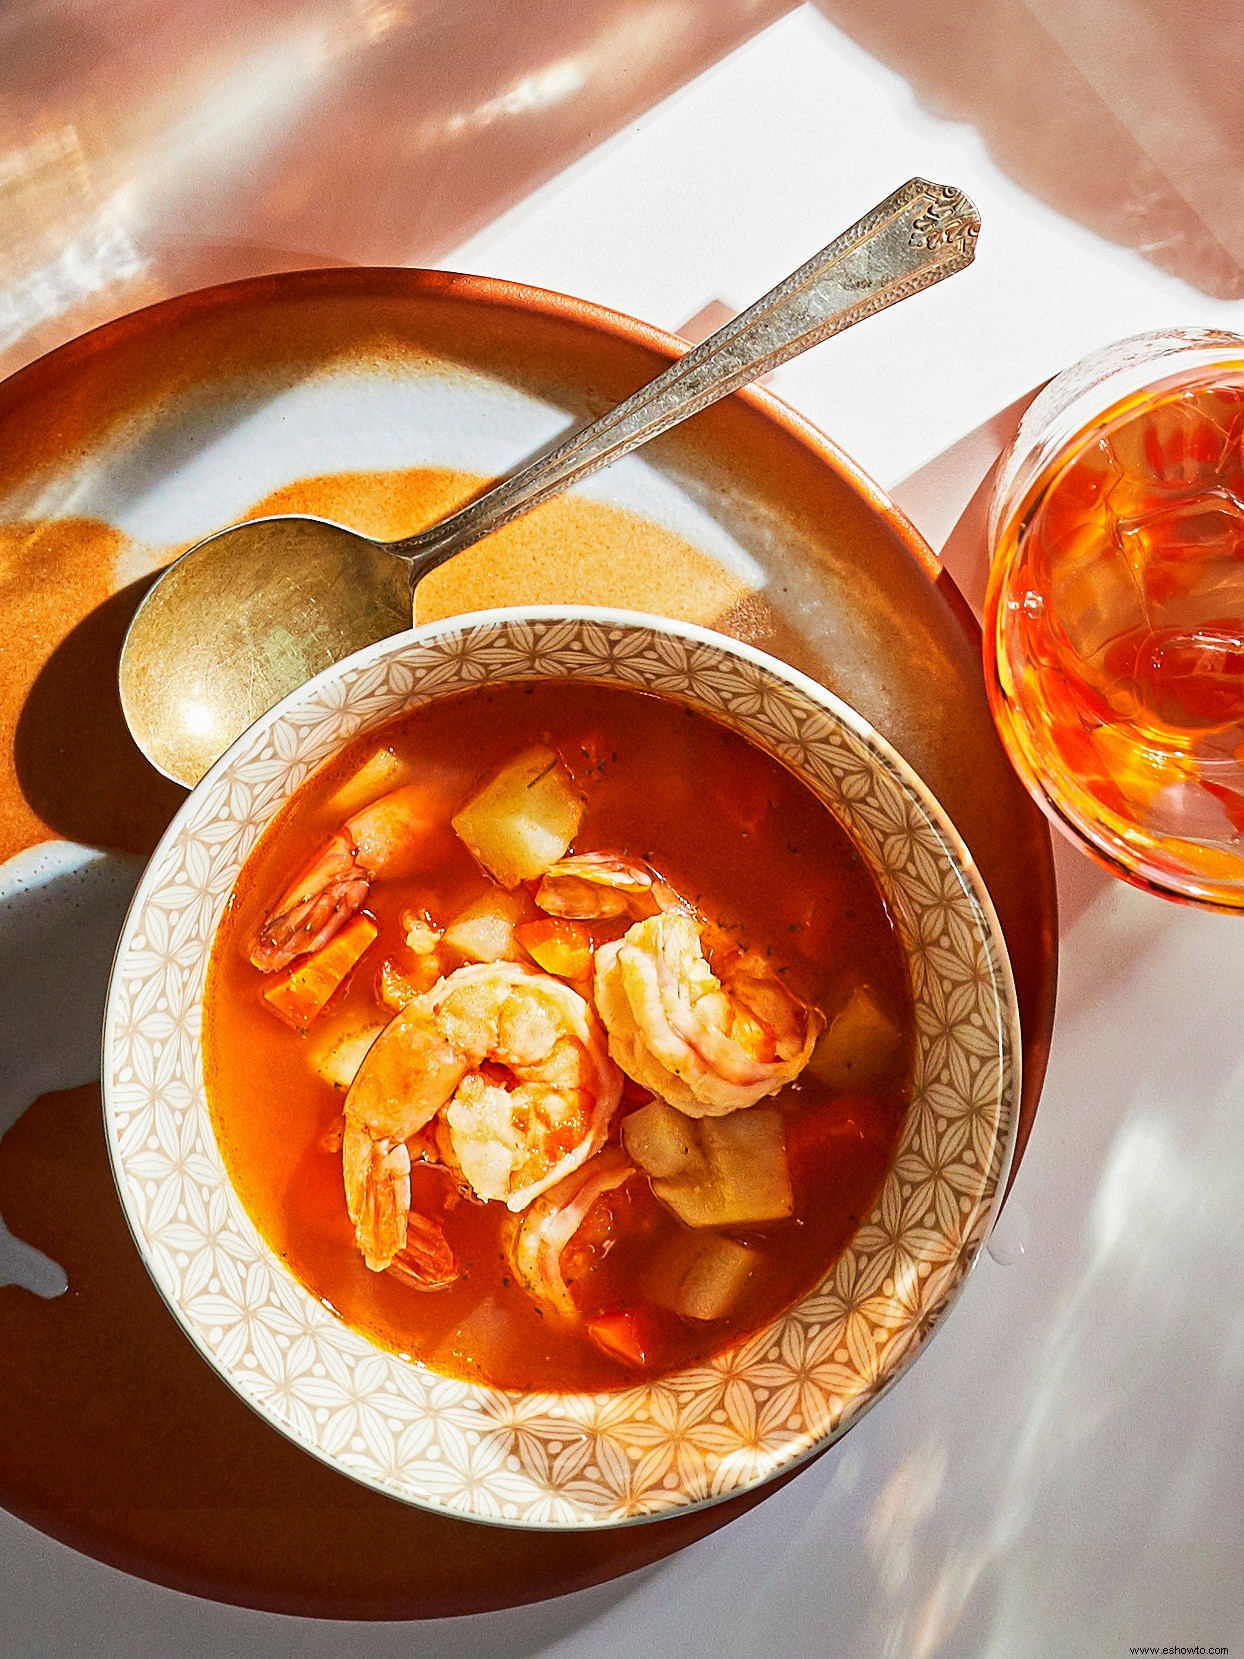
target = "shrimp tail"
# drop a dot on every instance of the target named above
(377, 1183)
(427, 1261)
(539, 1240)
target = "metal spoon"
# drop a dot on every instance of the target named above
(252, 612)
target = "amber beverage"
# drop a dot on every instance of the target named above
(1114, 629)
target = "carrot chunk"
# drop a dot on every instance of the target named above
(303, 993)
(632, 1337)
(560, 947)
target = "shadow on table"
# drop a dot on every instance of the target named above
(1113, 1470)
(62, 909)
(1062, 1472)
(150, 148)
(1124, 115)
(77, 764)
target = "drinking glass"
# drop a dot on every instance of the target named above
(1114, 623)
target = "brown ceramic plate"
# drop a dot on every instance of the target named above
(376, 397)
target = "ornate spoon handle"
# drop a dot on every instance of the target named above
(917, 236)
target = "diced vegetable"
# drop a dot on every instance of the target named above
(524, 819)
(559, 947)
(400, 982)
(713, 1172)
(422, 933)
(744, 1177)
(860, 1047)
(484, 931)
(337, 1055)
(700, 1275)
(663, 1141)
(716, 1279)
(826, 1133)
(302, 994)
(379, 773)
(632, 1337)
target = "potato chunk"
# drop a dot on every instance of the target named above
(337, 1055)
(422, 933)
(714, 1172)
(715, 1280)
(700, 1274)
(484, 931)
(380, 773)
(662, 1141)
(861, 1046)
(522, 821)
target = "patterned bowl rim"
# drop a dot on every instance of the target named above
(1008, 1092)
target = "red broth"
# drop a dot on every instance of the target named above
(732, 830)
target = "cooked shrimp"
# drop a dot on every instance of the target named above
(705, 1045)
(548, 1226)
(591, 886)
(543, 1106)
(384, 839)
(594, 886)
(513, 1140)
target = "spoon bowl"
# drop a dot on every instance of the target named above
(241, 619)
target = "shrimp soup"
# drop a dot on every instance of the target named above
(556, 1037)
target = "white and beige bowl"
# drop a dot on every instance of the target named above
(566, 1460)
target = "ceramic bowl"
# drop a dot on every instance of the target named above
(569, 1460)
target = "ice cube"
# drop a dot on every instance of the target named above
(1194, 681)
(1091, 593)
(1184, 440)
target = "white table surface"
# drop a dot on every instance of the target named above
(1063, 1472)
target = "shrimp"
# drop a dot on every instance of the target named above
(384, 839)
(549, 1224)
(513, 1142)
(596, 886)
(517, 1063)
(706, 1045)
(407, 1075)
